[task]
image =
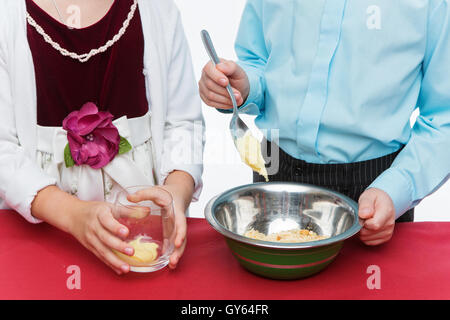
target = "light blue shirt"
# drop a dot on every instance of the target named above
(341, 78)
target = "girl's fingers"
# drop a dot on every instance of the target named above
(112, 225)
(156, 194)
(112, 242)
(107, 256)
(129, 211)
(173, 260)
(176, 255)
(180, 242)
(181, 233)
(100, 257)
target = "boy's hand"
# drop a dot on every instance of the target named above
(377, 210)
(214, 80)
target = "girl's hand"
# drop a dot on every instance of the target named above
(180, 238)
(164, 196)
(96, 228)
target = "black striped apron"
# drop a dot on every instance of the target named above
(350, 179)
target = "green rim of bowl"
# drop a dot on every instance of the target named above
(212, 204)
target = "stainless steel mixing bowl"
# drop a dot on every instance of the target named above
(273, 207)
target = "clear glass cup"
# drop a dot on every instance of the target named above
(151, 224)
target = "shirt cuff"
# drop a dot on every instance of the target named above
(398, 187)
(23, 189)
(194, 171)
(255, 93)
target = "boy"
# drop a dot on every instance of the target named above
(340, 80)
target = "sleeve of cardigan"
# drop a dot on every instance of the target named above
(184, 127)
(20, 177)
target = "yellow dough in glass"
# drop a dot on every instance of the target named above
(144, 253)
(250, 151)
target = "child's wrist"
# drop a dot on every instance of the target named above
(73, 209)
(55, 207)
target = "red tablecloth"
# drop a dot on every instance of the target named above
(34, 259)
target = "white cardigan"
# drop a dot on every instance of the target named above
(177, 122)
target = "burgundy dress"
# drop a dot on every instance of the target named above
(113, 80)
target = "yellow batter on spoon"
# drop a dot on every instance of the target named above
(144, 253)
(250, 151)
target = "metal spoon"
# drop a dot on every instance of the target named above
(237, 127)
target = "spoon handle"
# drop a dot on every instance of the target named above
(207, 42)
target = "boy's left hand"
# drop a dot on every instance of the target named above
(377, 210)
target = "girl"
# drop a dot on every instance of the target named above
(96, 97)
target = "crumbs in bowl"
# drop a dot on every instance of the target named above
(294, 235)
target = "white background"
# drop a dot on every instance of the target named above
(223, 170)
